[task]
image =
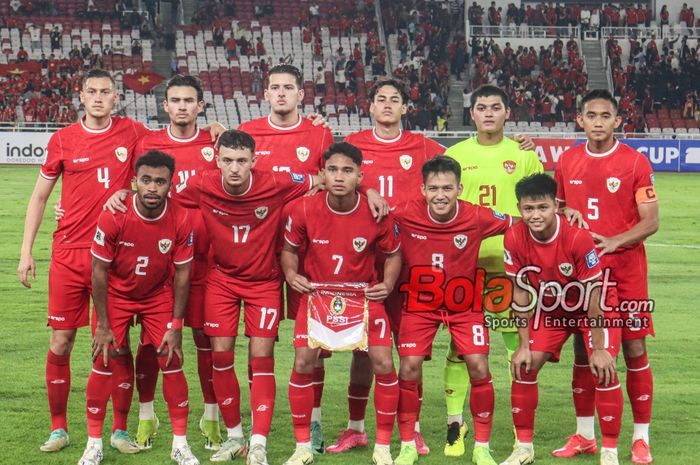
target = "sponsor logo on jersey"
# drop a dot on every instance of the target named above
(419, 237)
(320, 241)
(297, 177)
(507, 259)
(81, 160)
(261, 213)
(592, 259)
(288, 226)
(99, 237)
(367, 162)
(499, 216)
(509, 166)
(338, 305)
(406, 161)
(121, 153)
(359, 244)
(613, 184)
(576, 182)
(303, 154)
(126, 244)
(566, 269)
(164, 245)
(219, 212)
(208, 153)
(460, 241)
(263, 152)
(470, 168)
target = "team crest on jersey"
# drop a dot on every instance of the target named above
(164, 245)
(460, 241)
(406, 161)
(359, 243)
(613, 184)
(566, 269)
(208, 153)
(121, 153)
(338, 305)
(509, 166)
(261, 213)
(303, 154)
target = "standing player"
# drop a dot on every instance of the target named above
(133, 255)
(612, 185)
(241, 208)
(94, 158)
(441, 239)
(543, 255)
(491, 166)
(343, 240)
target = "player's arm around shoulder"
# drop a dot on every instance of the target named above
(294, 236)
(389, 243)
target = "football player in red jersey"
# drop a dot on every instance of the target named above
(348, 254)
(612, 185)
(441, 238)
(134, 255)
(93, 157)
(558, 291)
(241, 207)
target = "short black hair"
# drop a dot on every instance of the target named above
(442, 164)
(185, 81)
(284, 68)
(235, 139)
(536, 186)
(395, 83)
(598, 94)
(156, 159)
(344, 148)
(98, 73)
(488, 90)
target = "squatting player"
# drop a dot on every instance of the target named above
(612, 185)
(441, 236)
(343, 240)
(491, 166)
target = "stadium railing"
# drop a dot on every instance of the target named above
(529, 32)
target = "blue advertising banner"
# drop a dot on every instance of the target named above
(690, 156)
(663, 154)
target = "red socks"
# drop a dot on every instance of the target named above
(228, 393)
(608, 402)
(175, 394)
(409, 403)
(146, 372)
(319, 377)
(640, 387)
(481, 404)
(122, 389)
(99, 387)
(301, 402)
(357, 401)
(386, 403)
(583, 389)
(262, 393)
(204, 369)
(57, 388)
(523, 399)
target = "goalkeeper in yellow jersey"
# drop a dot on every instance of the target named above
(491, 166)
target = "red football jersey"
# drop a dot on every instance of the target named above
(94, 164)
(341, 247)
(296, 149)
(570, 255)
(452, 246)
(243, 229)
(192, 156)
(392, 167)
(606, 188)
(141, 250)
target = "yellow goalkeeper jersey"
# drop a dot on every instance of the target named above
(489, 175)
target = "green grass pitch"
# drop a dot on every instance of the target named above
(674, 257)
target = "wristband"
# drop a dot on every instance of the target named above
(175, 323)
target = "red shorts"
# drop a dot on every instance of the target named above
(629, 270)
(222, 306)
(379, 333)
(154, 314)
(394, 305)
(70, 284)
(548, 338)
(418, 330)
(194, 314)
(294, 300)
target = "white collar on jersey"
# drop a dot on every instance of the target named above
(250, 186)
(601, 155)
(149, 219)
(386, 141)
(551, 239)
(96, 131)
(443, 222)
(174, 138)
(283, 128)
(359, 199)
